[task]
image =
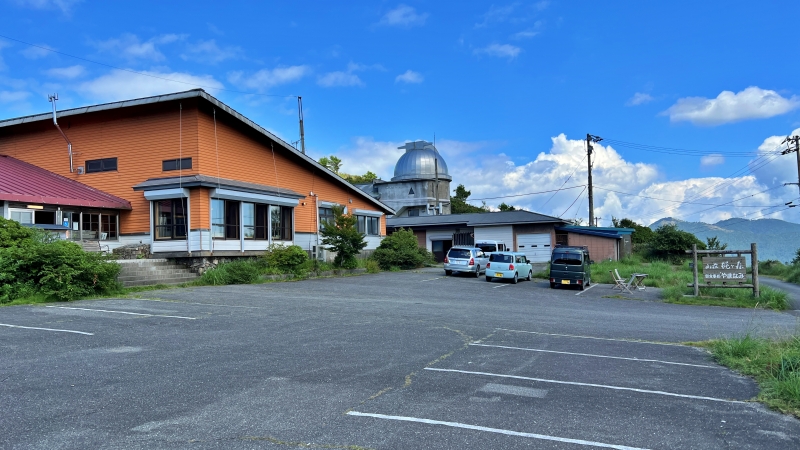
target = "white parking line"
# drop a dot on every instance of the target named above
(123, 312)
(500, 286)
(492, 430)
(633, 341)
(431, 279)
(46, 329)
(575, 383)
(597, 356)
(586, 289)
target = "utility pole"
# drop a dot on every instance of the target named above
(589, 139)
(302, 131)
(796, 141)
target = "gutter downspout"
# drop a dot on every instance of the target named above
(53, 99)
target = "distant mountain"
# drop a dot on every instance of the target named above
(776, 239)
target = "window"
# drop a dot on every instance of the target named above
(22, 216)
(170, 217)
(176, 164)
(249, 220)
(101, 165)
(368, 225)
(281, 222)
(224, 219)
(262, 212)
(413, 212)
(570, 259)
(325, 214)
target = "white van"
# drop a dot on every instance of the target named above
(491, 246)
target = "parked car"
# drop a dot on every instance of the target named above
(465, 259)
(570, 266)
(508, 265)
(491, 246)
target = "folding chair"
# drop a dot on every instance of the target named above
(619, 282)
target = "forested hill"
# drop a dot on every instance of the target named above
(776, 239)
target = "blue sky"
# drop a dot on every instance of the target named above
(508, 89)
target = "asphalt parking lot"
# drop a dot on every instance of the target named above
(391, 360)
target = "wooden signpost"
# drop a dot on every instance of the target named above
(720, 271)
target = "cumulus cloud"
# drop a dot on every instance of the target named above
(211, 53)
(403, 16)
(712, 160)
(66, 72)
(37, 52)
(265, 79)
(751, 103)
(65, 6)
(409, 77)
(13, 96)
(499, 50)
(131, 47)
(121, 85)
(639, 98)
(773, 169)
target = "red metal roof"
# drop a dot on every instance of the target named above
(26, 183)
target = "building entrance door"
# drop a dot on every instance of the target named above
(440, 249)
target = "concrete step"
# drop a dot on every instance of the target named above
(144, 262)
(186, 276)
(147, 273)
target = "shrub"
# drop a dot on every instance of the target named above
(400, 250)
(285, 259)
(670, 243)
(35, 262)
(372, 266)
(235, 272)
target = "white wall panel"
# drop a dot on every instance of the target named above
(504, 234)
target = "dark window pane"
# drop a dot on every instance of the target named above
(101, 165)
(94, 166)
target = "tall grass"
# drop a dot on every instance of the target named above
(774, 364)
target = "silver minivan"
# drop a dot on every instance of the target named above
(465, 259)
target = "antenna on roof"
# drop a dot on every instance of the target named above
(52, 99)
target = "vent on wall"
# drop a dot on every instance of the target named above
(80, 170)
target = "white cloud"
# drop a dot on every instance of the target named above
(712, 160)
(2, 63)
(38, 52)
(409, 76)
(499, 50)
(121, 85)
(129, 46)
(13, 96)
(265, 79)
(66, 72)
(403, 16)
(211, 53)
(773, 169)
(639, 98)
(337, 79)
(729, 107)
(497, 14)
(64, 5)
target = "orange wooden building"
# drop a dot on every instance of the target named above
(201, 179)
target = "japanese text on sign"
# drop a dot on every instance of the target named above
(716, 269)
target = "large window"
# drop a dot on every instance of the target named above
(101, 165)
(176, 164)
(22, 216)
(249, 220)
(224, 219)
(281, 222)
(368, 225)
(170, 217)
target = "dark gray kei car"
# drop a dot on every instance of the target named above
(570, 266)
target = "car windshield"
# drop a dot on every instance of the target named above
(570, 259)
(497, 257)
(459, 253)
(487, 247)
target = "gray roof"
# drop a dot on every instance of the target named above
(207, 181)
(421, 161)
(196, 93)
(474, 219)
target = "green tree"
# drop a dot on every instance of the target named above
(641, 234)
(359, 179)
(331, 162)
(713, 243)
(504, 207)
(341, 235)
(671, 243)
(796, 260)
(401, 249)
(458, 202)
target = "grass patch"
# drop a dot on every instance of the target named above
(737, 298)
(785, 272)
(774, 364)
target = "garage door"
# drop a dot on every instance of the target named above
(537, 247)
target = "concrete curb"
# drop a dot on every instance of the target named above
(323, 274)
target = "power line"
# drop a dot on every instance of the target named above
(143, 73)
(691, 203)
(678, 151)
(573, 202)
(529, 193)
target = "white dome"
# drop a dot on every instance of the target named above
(420, 161)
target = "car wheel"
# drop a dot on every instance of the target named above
(447, 273)
(530, 275)
(488, 278)
(582, 286)
(516, 278)
(478, 272)
(552, 285)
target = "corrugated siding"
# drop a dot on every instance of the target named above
(502, 234)
(600, 248)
